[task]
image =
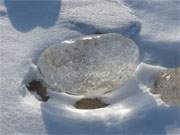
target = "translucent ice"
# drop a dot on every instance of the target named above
(91, 65)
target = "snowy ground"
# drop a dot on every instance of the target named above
(133, 110)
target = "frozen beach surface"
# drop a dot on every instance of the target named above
(25, 32)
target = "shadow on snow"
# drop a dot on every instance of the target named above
(28, 14)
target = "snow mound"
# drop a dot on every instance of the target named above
(91, 65)
(88, 17)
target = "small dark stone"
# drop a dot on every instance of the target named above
(37, 86)
(90, 103)
(3, 13)
(98, 32)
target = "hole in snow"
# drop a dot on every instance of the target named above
(38, 88)
(3, 13)
(90, 103)
(98, 32)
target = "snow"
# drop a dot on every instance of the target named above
(132, 109)
(159, 38)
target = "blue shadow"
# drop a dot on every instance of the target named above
(28, 14)
(165, 53)
(154, 121)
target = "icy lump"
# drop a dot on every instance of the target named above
(167, 86)
(89, 66)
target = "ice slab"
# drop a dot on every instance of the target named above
(90, 65)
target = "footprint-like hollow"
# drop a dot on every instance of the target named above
(91, 65)
(90, 103)
(37, 87)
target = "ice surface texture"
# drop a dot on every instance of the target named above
(90, 65)
(167, 85)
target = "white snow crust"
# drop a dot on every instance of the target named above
(25, 32)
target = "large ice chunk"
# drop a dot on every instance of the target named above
(90, 65)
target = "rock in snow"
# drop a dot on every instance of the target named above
(37, 86)
(91, 65)
(167, 85)
(90, 103)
